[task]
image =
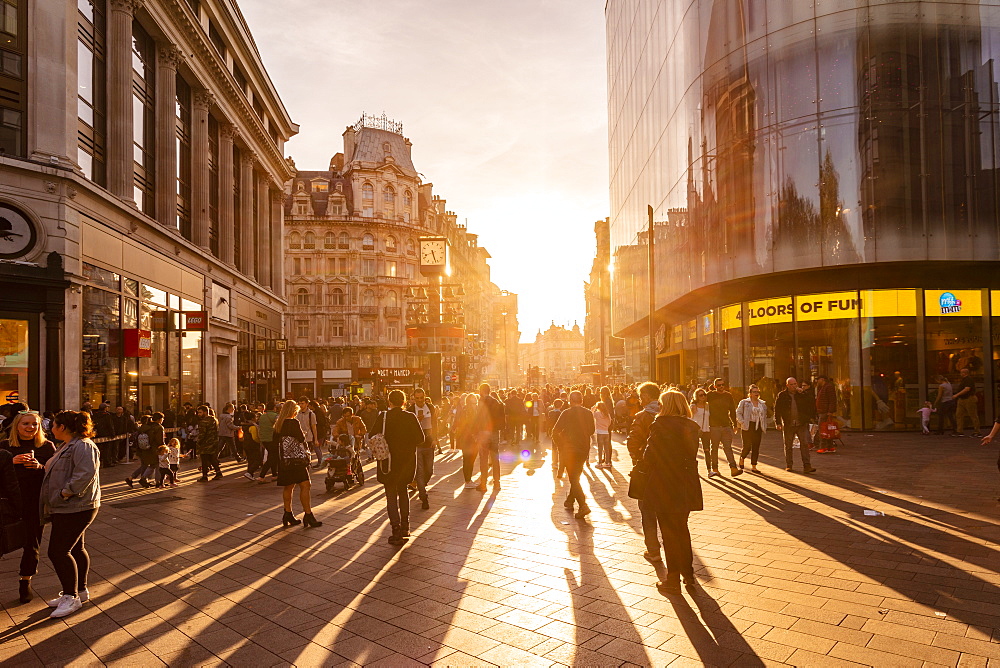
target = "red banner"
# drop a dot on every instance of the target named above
(196, 321)
(138, 342)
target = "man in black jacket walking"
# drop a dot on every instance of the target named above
(793, 412)
(574, 428)
(490, 421)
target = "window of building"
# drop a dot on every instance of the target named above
(183, 139)
(215, 37)
(331, 266)
(368, 192)
(392, 332)
(337, 329)
(307, 265)
(143, 122)
(368, 298)
(90, 50)
(302, 329)
(368, 267)
(368, 242)
(407, 199)
(302, 297)
(391, 298)
(320, 186)
(241, 78)
(390, 197)
(309, 240)
(213, 185)
(343, 241)
(411, 247)
(368, 212)
(329, 240)
(390, 268)
(368, 331)
(390, 244)
(13, 86)
(297, 266)
(295, 240)
(301, 209)
(337, 297)
(342, 266)
(337, 207)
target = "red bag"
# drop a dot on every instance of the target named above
(829, 430)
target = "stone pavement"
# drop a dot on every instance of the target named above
(792, 571)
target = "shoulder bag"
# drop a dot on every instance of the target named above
(637, 481)
(380, 447)
(294, 452)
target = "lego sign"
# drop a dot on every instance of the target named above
(196, 320)
(138, 342)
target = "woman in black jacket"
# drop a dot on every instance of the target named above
(29, 450)
(403, 434)
(673, 488)
(294, 469)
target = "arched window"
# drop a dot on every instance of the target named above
(368, 298)
(390, 244)
(407, 199)
(390, 196)
(411, 248)
(343, 241)
(309, 240)
(302, 297)
(294, 240)
(368, 192)
(391, 298)
(330, 240)
(337, 297)
(368, 242)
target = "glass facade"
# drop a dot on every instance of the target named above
(828, 146)
(135, 353)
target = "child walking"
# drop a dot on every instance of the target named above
(165, 453)
(925, 416)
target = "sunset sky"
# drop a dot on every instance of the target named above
(505, 105)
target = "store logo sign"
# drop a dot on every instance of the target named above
(949, 303)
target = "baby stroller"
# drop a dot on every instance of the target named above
(343, 466)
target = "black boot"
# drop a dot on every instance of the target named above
(672, 585)
(24, 590)
(404, 530)
(288, 518)
(397, 537)
(309, 521)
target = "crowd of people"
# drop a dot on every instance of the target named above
(50, 464)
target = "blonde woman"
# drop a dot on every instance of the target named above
(751, 415)
(30, 450)
(673, 488)
(294, 469)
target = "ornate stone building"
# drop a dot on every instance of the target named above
(141, 173)
(352, 270)
(602, 351)
(558, 352)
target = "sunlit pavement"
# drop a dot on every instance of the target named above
(792, 570)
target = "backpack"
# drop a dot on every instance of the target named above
(294, 452)
(142, 440)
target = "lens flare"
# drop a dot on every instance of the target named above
(526, 453)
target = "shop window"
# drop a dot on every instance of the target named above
(770, 346)
(101, 368)
(14, 351)
(953, 327)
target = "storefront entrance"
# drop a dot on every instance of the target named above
(14, 359)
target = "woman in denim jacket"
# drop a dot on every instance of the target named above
(70, 498)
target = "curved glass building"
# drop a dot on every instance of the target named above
(823, 177)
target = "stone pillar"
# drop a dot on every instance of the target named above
(246, 214)
(276, 232)
(201, 102)
(121, 173)
(227, 217)
(263, 232)
(168, 58)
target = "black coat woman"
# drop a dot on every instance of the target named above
(30, 450)
(294, 468)
(403, 434)
(673, 489)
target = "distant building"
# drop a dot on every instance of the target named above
(352, 279)
(558, 352)
(141, 170)
(602, 351)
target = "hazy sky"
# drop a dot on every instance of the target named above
(504, 101)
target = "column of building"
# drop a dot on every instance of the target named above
(263, 245)
(166, 134)
(245, 264)
(227, 213)
(201, 103)
(120, 171)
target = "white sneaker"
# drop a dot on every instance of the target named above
(83, 595)
(67, 605)
(249, 476)
(470, 485)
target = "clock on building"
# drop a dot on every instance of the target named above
(18, 235)
(433, 256)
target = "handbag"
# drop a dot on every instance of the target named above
(294, 452)
(11, 527)
(637, 482)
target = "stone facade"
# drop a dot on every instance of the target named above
(351, 265)
(144, 179)
(559, 352)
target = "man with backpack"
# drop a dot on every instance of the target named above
(147, 440)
